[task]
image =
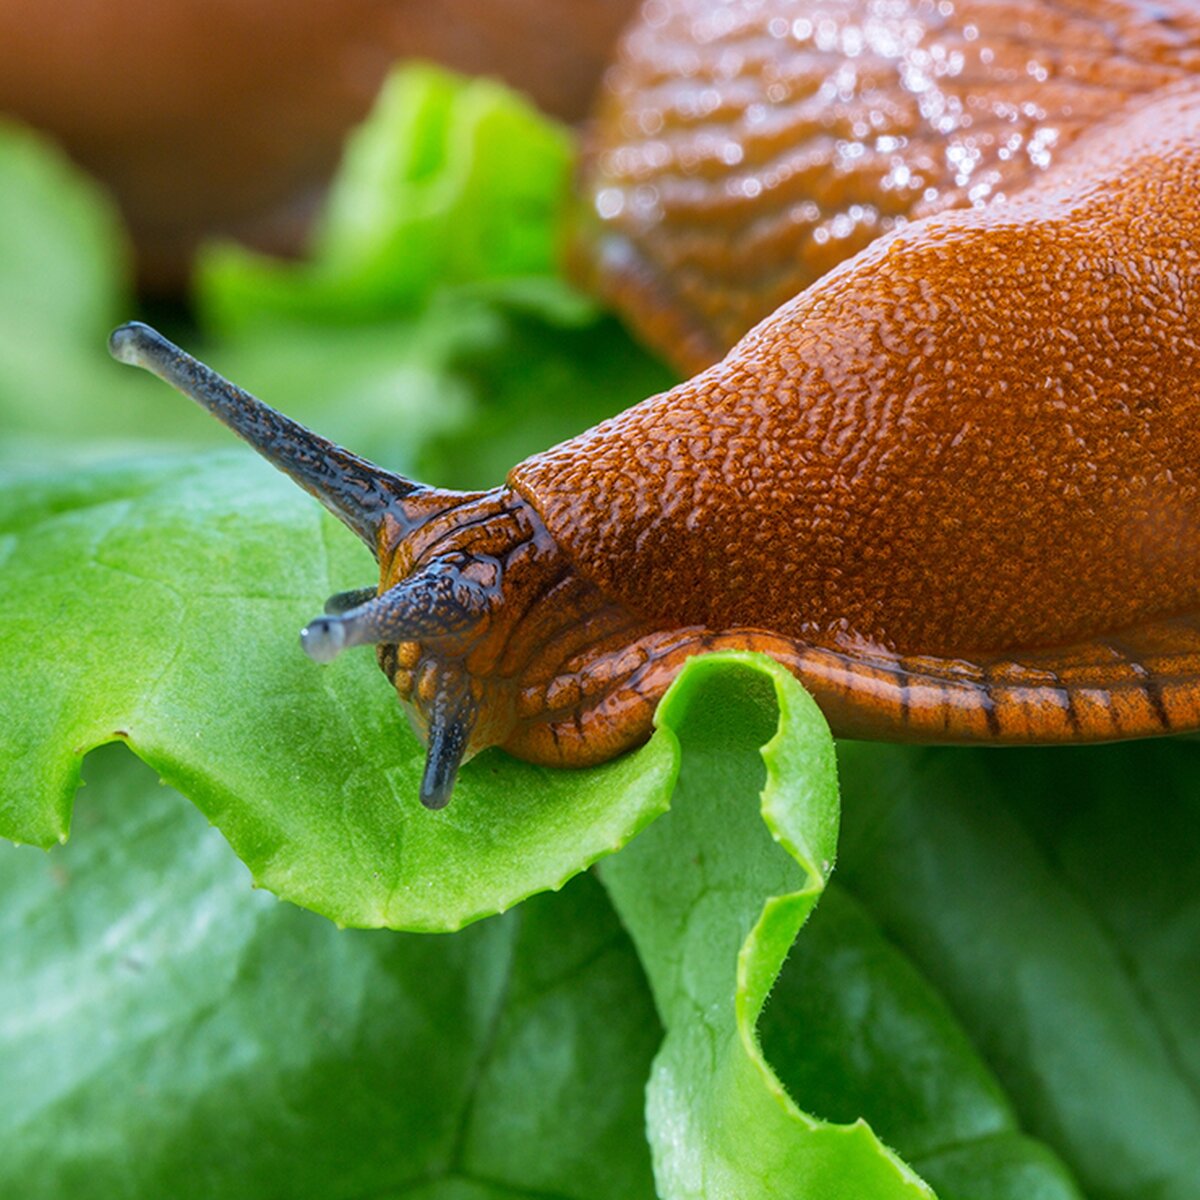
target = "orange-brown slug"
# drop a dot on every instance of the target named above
(954, 485)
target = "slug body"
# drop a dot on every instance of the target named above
(954, 485)
(742, 148)
(972, 447)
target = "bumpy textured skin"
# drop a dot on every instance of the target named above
(745, 147)
(980, 435)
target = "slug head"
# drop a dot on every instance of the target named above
(442, 613)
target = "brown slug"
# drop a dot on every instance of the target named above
(954, 485)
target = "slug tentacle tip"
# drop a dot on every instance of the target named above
(127, 343)
(324, 639)
(444, 755)
(423, 606)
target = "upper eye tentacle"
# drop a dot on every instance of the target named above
(355, 490)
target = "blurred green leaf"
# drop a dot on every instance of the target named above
(164, 1032)
(1053, 899)
(448, 182)
(64, 254)
(64, 283)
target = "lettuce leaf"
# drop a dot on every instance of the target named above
(167, 1032)
(447, 182)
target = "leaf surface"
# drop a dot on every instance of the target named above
(149, 1000)
(1051, 896)
(713, 896)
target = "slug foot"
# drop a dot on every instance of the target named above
(1143, 683)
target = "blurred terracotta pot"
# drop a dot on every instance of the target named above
(226, 116)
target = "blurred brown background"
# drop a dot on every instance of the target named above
(227, 116)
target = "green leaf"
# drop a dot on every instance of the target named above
(165, 1032)
(448, 182)
(158, 604)
(64, 283)
(713, 895)
(1053, 899)
(63, 252)
(855, 1030)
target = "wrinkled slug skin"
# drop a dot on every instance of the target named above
(742, 148)
(982, 432)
